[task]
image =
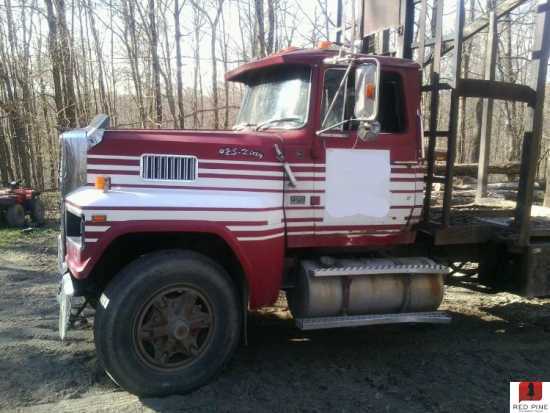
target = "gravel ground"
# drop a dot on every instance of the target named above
(464, 366)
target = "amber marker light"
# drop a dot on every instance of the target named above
(370, 90)
(99, 219)
(102, 183)
(324, 44)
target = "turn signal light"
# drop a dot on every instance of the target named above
(324, 44)
(370, 90)
(98, 219)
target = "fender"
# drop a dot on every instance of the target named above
(258, 245)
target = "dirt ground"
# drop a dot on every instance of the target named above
(464, 366)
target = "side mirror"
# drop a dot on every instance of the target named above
(367, 96)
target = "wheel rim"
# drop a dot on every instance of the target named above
(173, 328)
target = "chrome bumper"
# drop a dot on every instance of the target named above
(64, 298)
(65, 292)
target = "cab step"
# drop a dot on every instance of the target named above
(318, 323)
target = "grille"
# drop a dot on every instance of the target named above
(169, 167)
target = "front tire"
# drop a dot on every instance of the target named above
(167, 323)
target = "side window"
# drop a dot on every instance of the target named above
(333, 77)
(391, 110)
(391, 114)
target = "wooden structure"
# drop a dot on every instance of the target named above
(412, 15)
(512, 237)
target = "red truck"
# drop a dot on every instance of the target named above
(174, 234)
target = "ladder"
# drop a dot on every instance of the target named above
(488, 88)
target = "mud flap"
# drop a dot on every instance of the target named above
(534, 270)
(64, 298)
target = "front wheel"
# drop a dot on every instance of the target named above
(167, 323)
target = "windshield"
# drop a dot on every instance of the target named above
(276, 99)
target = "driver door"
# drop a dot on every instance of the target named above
(369, 186)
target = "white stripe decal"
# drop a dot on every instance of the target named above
(151, 215)
(91, 240)
(239, 162)
(214, 182)
(255, 227)
(130, 158)
(73, 209)
(308, 165)
(103, 167)
(259, 174)
(266, 237)
(93, 228)
(343, 232)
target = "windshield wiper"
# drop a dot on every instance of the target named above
(242, 126)
(275, 120)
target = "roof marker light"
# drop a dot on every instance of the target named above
(324, 44)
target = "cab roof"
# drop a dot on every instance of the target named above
(308, 57)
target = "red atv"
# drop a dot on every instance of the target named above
(17, 202)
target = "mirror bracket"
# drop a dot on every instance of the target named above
(368, 131)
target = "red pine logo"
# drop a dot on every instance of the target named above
(530, 390)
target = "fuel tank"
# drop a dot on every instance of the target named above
(325, 296)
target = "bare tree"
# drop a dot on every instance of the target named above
(213, 21)
(179, 63)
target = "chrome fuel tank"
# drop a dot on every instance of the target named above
(325, 296)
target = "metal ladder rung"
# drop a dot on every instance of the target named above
(441, 86)
(438, 179)
(439, 133)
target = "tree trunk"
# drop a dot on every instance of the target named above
(179, 64)
(271, 28)
(56, 70)
(99, 57)
(131, 43)
(68, 83)
(155, 63)
(259, 9)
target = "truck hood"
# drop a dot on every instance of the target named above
(204, 144)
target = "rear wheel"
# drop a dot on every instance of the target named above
(167, 323)
(15, 216)
(37, 211)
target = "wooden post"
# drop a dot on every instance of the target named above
(533, 122)
(434, 105)
(422, 33)
(383, 40)
(405, 37)
(487, 114)
(339, 28)
(453, 115)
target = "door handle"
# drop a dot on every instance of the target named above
(410, 163)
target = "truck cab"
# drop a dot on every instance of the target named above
(174, 234)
